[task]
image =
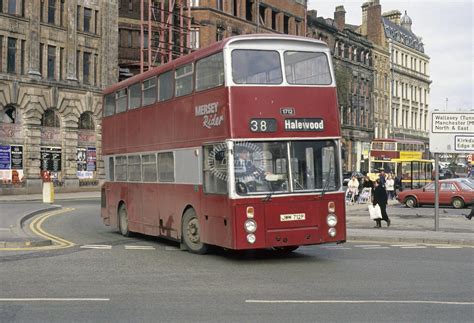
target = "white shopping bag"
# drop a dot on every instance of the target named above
(375, 212)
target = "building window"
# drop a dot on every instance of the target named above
(50, 119)
(78, 17)
(96, 63)
(86, 68)
(12, 7)
(194, 38)
(61, 14)
(1, 49)
(86, 121)
(22, 57)
(41, 58)
(51, 62)
(130, 5)
(51, 11)
(220, 5)
(220, 33)
(78, 57)
(96, 22)
(87, 19)
(9, 114)
(11, 55)
(61, 66)
(42, 11)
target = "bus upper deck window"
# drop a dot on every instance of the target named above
(307, 68)
(256, 67)
(210, 72)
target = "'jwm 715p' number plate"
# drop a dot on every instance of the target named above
(292, 217)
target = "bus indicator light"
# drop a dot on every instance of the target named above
(332, 207)
(250, 212)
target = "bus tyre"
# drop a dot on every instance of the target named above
(284, 250)
(410, 202)
(457, 203)
(191, 233)
(123, 221)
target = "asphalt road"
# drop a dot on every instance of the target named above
(105, 277)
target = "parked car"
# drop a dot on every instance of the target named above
(446, 173)
(452, 192)
(346, 177)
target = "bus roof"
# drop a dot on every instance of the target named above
(206, 51)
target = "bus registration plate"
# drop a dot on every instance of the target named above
(292, 217)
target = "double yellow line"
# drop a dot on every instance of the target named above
(35, 227)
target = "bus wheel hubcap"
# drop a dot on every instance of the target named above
(193, 230)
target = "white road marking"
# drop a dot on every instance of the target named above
(414, 247)
(96, 246)
(139, 248)
(54, 299)
(289, 301)
(403, 245)
(335, 248)
(372, 248)
(366, 245)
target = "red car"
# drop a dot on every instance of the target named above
(452, 192)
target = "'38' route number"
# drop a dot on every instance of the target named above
(262, 125)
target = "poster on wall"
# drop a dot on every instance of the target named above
(17, 157)
(91, 159)
(51, 159)
(5, 157)
(81, 159)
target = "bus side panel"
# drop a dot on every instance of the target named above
(134, 207)
(168, 215)
(115, 193)
(151, 215)
(216, 219)
(210, 115)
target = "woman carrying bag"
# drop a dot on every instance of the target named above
(380, 197)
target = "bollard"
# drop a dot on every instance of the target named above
(48, 192)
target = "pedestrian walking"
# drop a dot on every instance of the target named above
(353, 187)
(470, 215)
(382, 177)
(380, 197)
(390, 187)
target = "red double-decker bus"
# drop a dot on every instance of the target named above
(235, 145)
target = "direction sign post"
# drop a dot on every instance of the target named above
(450, 132)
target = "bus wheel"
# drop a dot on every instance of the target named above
(283, 250)
(410, 202)
(191, 233)
(123, 220)
(457, 203)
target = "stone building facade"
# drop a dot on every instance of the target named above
(353, 64)
(55, 59)
(372, 29)
(409, 66)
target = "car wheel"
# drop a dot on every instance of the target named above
(410, 202)
(457, 203)
(191, 233)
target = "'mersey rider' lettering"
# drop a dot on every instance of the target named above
(304, 124)
(204, 109)
(209, 112)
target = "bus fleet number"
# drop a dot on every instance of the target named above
(262, 125)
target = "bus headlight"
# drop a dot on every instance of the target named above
(251, 238)
(331, 220)
(332, 232)
(250, 226)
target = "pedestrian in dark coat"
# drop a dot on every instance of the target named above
(380, 197)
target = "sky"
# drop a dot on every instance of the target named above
(446, 28)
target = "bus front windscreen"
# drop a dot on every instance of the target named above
(276, 167)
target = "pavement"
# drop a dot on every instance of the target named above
(415, 226)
